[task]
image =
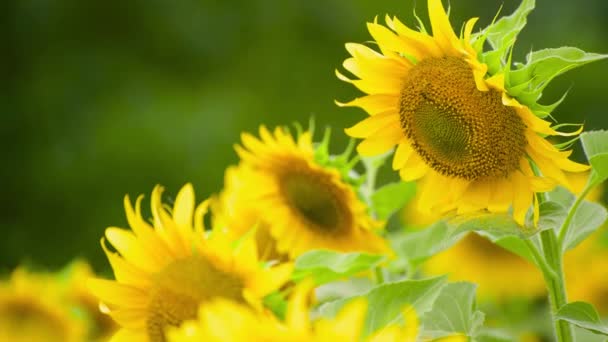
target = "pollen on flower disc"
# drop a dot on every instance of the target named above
(458, 130)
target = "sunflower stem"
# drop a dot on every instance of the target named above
(379, 275)
(555, 282)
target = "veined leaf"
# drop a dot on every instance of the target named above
(454, 311)
(595, 144)
(325, 266)
(387, 301)
(418, 246)
(584, 315)
(587, 219)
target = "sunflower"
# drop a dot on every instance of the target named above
(297, 203)
(165, 270)
(216, 322)
(74, 279)
(33, 309)
(458, 131)
(586, 269)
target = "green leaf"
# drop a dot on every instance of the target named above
(392, 197)
(502, 33)
(595, 144)
(325, 266)
(501, 229)
(420, 245)
(454, 311)
(387, 301)
(587, 219)
(544, 65)
(583, 315)
(552, 215)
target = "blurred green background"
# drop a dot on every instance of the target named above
(106, 98)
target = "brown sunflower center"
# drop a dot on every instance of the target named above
(456, 129)
(181, 287)
(315, 198)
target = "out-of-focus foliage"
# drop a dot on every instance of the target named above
(103, 98)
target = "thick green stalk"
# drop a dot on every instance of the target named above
(556, 283)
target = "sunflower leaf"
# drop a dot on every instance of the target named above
(325, 266)
(595, 144)
(502, 230)
(420, 245)
(454, 311)
(387, 301)
(583, 315)
(392, 197)
(587, 219)
(502, 33)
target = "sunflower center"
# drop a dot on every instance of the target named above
(181, 287)
(456, 129)
(315, 198)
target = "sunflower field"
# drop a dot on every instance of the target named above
(300, 171)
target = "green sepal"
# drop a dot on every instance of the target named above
(542, 111)
(543, 66)
(501, 35)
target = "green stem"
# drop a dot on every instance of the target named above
(555, 283)
(379, 275)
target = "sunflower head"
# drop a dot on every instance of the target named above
(165, 269)
(472, 138)
(33, 308)
(297, 198)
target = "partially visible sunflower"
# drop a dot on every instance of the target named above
(296, 202)
(216, 322)
(459, 130)
(33, 308)
(586, 265)
(74, 278)
(586, 268)
(166, 270)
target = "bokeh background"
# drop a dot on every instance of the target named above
(106, 98)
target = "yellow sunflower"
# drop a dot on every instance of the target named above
(586, 268)
(33, 309)
(74, 279)
(167, 268)
(216, 322)
(586, 265)
(458, 132)
(297, 203)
